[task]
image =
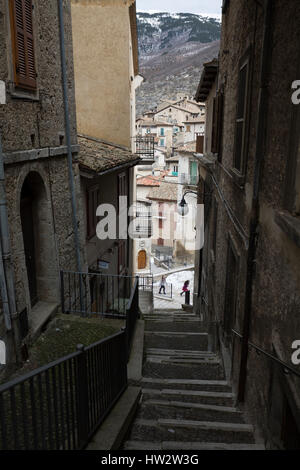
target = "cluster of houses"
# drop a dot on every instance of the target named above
(176, 128)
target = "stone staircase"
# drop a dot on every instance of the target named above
(187, 404)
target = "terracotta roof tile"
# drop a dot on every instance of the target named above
(98, 156)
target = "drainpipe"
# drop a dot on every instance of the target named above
(6, 268)
(254, 222)
(69, 147)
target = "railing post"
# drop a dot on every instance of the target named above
(82, 397)
(187, 297)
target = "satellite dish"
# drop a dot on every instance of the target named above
(2, 353)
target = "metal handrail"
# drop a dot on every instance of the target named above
(287, 367)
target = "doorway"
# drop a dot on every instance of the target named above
(38, 239)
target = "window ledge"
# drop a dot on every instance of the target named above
(290, 226)
(25, 95)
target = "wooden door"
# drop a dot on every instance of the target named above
(142, 259)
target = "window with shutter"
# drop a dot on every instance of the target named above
(217, 125)
(241, 117)
(23, 43)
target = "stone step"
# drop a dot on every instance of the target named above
(185, 384)
(189, 396)
(180, 359)
(203, 370)
(195, 446)
(158, 408)
(188, 327)
(174, 340)
(191, 430)
(179, 353)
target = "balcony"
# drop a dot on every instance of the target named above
(188, 179)
(144, 147)
(143, 225)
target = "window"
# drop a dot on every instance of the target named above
(162, 131)
(160, 242)
(217, 125)
(188, 128)
(162, 142)
(225, 5)
(92, 203)
(21, 14)
(241, 124)
(160, 221)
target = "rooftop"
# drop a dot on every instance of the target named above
(189, 147)
(207, 79)
(166, 192)
(100, 156)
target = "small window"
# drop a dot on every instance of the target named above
(188, 128)
(92, 203)
(21, 15)
(162, 131)
(162, 142)
(217, 125)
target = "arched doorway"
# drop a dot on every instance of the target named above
(142, 259)
(38, 239)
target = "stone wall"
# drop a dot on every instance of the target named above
(275, 320)
(32, 128)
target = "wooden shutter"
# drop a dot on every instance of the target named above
(200, 144)
(217, 124)
(241, 116)
(23, 43)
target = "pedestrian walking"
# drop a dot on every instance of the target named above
(162, 285)
(185, 287)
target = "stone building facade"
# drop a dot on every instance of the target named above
(249, 269)
(32, 129)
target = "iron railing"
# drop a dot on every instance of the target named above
(102, 295)
(61, 405)
(145, 282)
(188, 179)
(132, 315)
(287, 369)
(144, 147)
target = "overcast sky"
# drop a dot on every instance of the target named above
(212, 7)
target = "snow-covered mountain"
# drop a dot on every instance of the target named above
(172, 50)
(159, 31)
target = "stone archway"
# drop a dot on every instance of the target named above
(142, 259)
(38, 239)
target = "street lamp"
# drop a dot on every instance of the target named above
(183, 208)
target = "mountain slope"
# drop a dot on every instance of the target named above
(173, 48)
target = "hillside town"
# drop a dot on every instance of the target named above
(149, 255)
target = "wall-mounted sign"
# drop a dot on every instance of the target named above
(2, 353)
(103, 264)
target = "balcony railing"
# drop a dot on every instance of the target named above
(145, 147)
(143, 224)
(186, 178)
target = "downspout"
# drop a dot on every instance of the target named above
(69, 147)
(254, 221)
(6, 268)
